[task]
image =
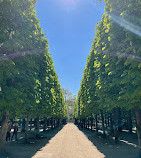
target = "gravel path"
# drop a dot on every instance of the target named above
(70, 142)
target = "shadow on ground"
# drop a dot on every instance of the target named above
(126, 148)
(19, 149)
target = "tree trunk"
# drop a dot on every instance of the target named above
(23, 125)
(48, 122)
(81, 123)
(115, 120)
(88, 122)
(3, 131)
(102, 118)
(54, 122)
(75, 121)
(27, 129)
(108, 122)
(37, 127)
(111, 123)
(58, 122)
(119, 120)
(130, 121)
(96, 123)
(20, 123)
(30, 124)
(51, 121)
(78, 122)
(91, 123)
(138, 124)
(45, 124)
(84, 123)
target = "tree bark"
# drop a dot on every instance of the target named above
(111, 123)
(23, 125)
(81, 123)
(51, 121)
(84, 123)
(138, 124)
(88, 122)
(58, 122)
(96, 122)
(119, 120)
(30, 124)
(102, 118)
(48, 122)
(27, 129)
(75, 121)
(37, 127)
(3, 131)
(45, 124)
(108, 122)
(91, 123)
(130, 121)
(54, 122)
(115, 120)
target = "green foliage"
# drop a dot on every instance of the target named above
(111, 81)
(19, 27)
(29, 85)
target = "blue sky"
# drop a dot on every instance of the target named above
(69, 27)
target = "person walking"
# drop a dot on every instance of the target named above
(15, 126)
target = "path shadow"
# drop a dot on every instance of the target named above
(19, 149)
(130, 138)
(124, 149)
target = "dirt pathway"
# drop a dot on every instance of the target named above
(70, 142)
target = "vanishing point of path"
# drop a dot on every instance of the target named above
(70, 142)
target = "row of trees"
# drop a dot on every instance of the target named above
(70, 100)
(111, 79)
(29, 86)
